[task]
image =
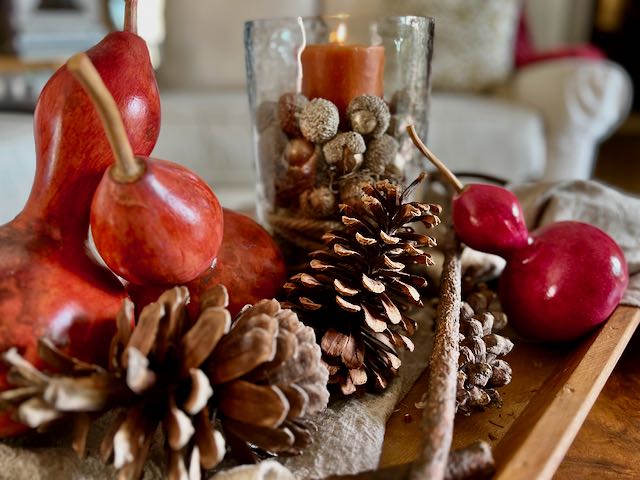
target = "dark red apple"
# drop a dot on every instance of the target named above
(565, 283)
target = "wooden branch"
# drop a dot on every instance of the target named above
(440, 409)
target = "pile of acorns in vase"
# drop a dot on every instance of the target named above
(72, 350)
(313, 160)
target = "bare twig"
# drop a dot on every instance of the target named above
(440, 408)
(474, 461)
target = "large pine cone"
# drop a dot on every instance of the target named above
(357, 292)
(268, 378)
(261, 376)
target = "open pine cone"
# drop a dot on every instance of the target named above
(357, 292)
(269, 379)
(481, 369)
(260, 376)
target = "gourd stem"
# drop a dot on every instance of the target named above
(131, 16)
(448, 174)
(127, 168)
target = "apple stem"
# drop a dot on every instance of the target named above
(127, 168)
(131, 16)
(444, 170)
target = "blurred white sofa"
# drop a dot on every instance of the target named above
(546, 121)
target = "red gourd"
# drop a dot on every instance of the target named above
(50, 285)
(249, 264)
(153, 222)
(560, 281)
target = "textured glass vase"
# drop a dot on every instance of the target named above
(302, 176)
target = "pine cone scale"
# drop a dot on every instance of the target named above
(209, 441)
(198, 343)
(262, 406)
(266, 438)
(240, 354)
(200, 393)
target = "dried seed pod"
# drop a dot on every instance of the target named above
(466, 356)
(478, 397)
(477, 346)
(290, 105)
(266, 115)
(501, 374)
(472, 328)
(466, 312)
(497, 344)
(478, 373)
(319, 120)
(369, 115)
(298, 151)
(486, 321)
(344, 152)
(318, 203)
(499, 320)
(380, 153)
(299, 176)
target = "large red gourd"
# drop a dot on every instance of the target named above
(50, 285)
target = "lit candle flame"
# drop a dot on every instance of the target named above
(340, 34)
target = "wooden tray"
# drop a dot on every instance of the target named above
(552, 391)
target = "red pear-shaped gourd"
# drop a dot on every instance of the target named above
(153, 222)
(560, 281)
(49, 284)
(249, 264)
(490, 218)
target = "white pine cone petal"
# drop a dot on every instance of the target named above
(179, 428)
(200, 393)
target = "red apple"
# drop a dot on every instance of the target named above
(565, 283)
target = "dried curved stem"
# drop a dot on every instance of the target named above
(131, 17)
(127, 167)
(448, 174)
(440, 408)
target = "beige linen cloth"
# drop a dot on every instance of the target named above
(351, 432)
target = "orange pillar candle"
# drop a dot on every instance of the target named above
(339, 72)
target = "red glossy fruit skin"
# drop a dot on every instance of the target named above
(163, 229)
(565, 283)
(249, 264)
(489, 218)
(49, 284)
